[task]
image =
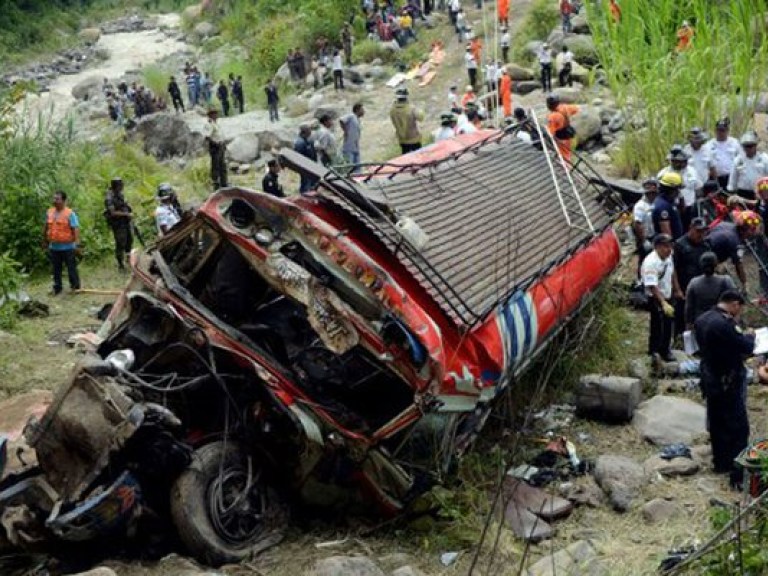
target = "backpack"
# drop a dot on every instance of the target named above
(566, 132)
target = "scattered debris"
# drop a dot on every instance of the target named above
(677, 450)
(448, 558)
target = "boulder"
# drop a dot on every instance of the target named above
(583, 492)
(525, 86)
(243, 149)
(659, 510)
(621, 479)
(100, 571)
(167, 135)
(192, 13)
(579, 24)
(376, 72)
(665, 420)
(671, 468)
(532, 48)
(583, 48)
(578, 559)
(315, 101)
(102, 53)
(203, 30)
(283, 73)
(296, 106)
(569, 94)
(321, 111)
(611, 398)
(579, 73)
(640, 368)
(275, 139)
(89, 35)
(556, 39)
(394, 560)
(517, 72)
(587, 123)
(346, 566)
(87, 88)
(353, 75)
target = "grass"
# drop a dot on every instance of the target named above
(669, 91)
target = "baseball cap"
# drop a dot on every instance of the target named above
(699, 223)
(662, 239)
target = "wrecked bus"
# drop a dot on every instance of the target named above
(336, 349)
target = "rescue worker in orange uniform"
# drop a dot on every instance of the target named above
(559, 124)
(684, 37)
(503, 10)
(615, 11)
(476, 47)
(61, 237)
(505, 92)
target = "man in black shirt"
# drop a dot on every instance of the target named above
(175, 94)
(269, 183)
(686, 256)
(119, 214)
(306, 147)
(723, 347)
(223, 95)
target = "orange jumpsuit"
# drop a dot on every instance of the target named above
(467, 98)
(503, 8)
(684, 37)
(505, 90)
(477, 49)
(615, 11)
(559, 119)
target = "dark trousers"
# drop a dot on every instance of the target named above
(505, 53)
(728, 428)
(178, 103)
(338, 80)
(472, 76)
(405, 148)
(564, 77)
(225, 107)
(60, 258)
(240, 103)
(218, 165)
(748, 194)
(546, 77)
(274, 116)
(123, 243)
(660, 337)
(723, 181)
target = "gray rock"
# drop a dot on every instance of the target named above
(102, 53)
(579, 73)
(376, 72)
(192, 13)
(275, 139)
(665, 420)
(569, 95)
(601, 158)
(89, 35)
(316, 101)
(407, 571)
(640, 368)
(659, 510)
(100, 571)
(556, 39)
(579, 24)
(583, 48)
(283, 73)
(321, 111)
(616, 122)
(87, 88)
(167, 135)
(354, 74)
(578, 559)
(587, 123)
(203, 30)
(394, 560)
(621, 479)
(517, 72)
(532, 47)
(244, 148)
(377, 62)
(525, 86)
(673, 467)
(296, 106)
(702, 453)
(346, 566)
(583, 492)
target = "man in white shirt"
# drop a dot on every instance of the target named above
(660, 282)
(447, 127)
(545, 62)
(642, 220)
(505, 42)
(490, 76)
(724, 150)
(469, 60)
(338, 70)
(678, 162)
(166, 214)
(749, 167)
(699, 155)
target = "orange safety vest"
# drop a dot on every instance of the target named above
(59, 230)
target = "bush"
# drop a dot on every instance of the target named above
(368, 50)
(11, 280)
(537, 25)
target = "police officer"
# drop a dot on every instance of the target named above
(269, 183)
(217, 148)
(119, 215)
(723, 347)
(660, 282)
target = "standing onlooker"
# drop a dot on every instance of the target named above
(338, 71)
(505, 43)
(317, 73)
(700, 156)
(461, 25)
(666, 216)
(223, 95)
(175, 94)
(658, 276)
(217, 149)
(119, 215)
(405, 118)
(545, 62)
(705, 290)
(566, 9)
(325, 141)
(206, 89)
(306, 147)
(191, 82)
(269, 183)
(723, 348)
(748, 168)
(724, 149)
(301, 68)
(273, 100)
(237, 94)
(471, 63)
(688, 250)
(346, 42)
(566, 67)
(678, 163)
(291, 62)
(642, 220)
(350, 127)
(505, 92)
(61, 237)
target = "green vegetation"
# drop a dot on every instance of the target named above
(542, 17)
(11, 280)
(32, 27)
(669, 91)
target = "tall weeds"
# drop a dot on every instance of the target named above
(669, 92)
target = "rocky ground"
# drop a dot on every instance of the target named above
(629, 511)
